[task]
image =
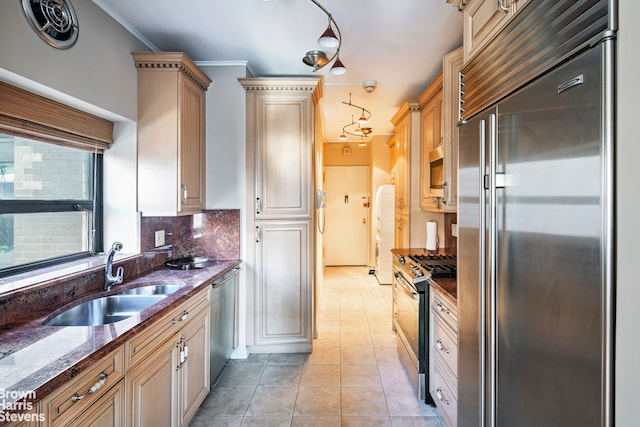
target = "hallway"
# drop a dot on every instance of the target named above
(352, 378)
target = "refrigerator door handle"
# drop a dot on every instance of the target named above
(493, 251)
(483, 273)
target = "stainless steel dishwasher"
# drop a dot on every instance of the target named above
(223, 321)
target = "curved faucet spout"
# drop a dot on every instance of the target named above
(109, 278)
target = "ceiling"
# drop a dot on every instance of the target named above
(398, 44)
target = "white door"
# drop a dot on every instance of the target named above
(346, 234)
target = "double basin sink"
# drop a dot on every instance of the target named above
(113, 308)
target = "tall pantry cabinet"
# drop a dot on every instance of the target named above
(280, 170)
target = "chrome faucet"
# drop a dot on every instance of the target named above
(109, 279)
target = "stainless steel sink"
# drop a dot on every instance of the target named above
(153, 289)
(101, 311)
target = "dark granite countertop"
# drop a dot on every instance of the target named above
(41, 358)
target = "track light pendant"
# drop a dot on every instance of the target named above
(317, 58)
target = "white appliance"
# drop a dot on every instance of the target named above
(384, 211)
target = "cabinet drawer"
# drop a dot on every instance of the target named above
(445, 310)
(443, 393)
(445, 345)
(141, 346)
(73, 398)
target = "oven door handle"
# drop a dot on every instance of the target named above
(409, 292)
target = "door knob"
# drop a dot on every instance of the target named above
(364, 220)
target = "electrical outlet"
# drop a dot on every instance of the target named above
(159, 238)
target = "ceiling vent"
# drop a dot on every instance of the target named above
(54, 21)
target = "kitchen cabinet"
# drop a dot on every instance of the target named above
(280, 171)
(459, 4)
(431, 140)
(443, 360)
(283, 294)
(406, 169)
(439, 116)
(484, 19)
(73, 404)
(451, 66)
(168, 366)
(171, 134)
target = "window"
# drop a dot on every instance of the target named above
(50, 203)
(50, 180)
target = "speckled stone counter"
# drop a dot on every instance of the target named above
(39, 359)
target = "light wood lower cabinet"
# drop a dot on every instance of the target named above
(169, 384)
(95, 397)
(443, 360)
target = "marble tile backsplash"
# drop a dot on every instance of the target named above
(213, 234)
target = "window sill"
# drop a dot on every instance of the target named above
(66, 270)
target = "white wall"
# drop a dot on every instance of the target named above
(97, 75)
(627, 355)
(226, 162)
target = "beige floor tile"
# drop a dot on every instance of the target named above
(360, 376)
(352, 378)
(364, 402)
(273, 402)
(380, 326)
(366, 422)
(355, 339)
(317, 401)
(327, 339)
(384, 340)
(403, 402)
(357, 356)
(323, 421)
(281, 375)
(266, 421)
(394, 376)
(320, 376)
(324, 356)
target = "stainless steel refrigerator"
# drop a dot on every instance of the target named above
(535, 251)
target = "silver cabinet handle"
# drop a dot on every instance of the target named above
(441, 346)
(103, 379)
(257, 233)
(441, 397)
(185, 193)
(182, 318)
(503, 7)
(443, 309)
(258, 205)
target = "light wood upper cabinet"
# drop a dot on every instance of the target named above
(484, 19)
(171, 134)
(406, 169)
(451, 66)
(431, 140)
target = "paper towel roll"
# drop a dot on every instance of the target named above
(432, 236)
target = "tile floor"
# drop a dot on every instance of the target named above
(353, 377)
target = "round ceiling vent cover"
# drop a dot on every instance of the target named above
(54, 21)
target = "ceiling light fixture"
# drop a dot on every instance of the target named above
(317, 58)
(357, 128)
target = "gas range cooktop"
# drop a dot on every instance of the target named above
(430, 265)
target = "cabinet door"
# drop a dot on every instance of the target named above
(283, 280)
(191, 160)
(108, 411)
(283, 156)
(483, 19)
(430, 140)
(151, 396)
(194, 372)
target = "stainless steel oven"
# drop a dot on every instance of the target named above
(409, 317)
(412, 270)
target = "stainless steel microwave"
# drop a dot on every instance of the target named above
(436, 172)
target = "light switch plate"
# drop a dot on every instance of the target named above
(454, 230)
(159, 238)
